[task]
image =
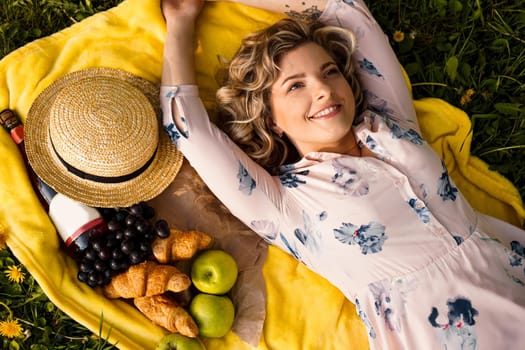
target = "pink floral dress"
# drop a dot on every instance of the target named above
(392, 232)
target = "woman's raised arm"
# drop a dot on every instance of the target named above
(377, 67)
(242, 185)
(179, 61)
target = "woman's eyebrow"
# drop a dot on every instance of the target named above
(301, 75)
(327, 64)
(291, 77)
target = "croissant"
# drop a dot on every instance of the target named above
(146, 279)
(179, 245)
(165, 312)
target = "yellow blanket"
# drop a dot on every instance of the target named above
(303, 310)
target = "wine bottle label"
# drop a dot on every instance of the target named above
(72, 218)
(17, 134)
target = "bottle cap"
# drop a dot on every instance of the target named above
(9, 120)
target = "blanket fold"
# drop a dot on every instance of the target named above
(303, 311)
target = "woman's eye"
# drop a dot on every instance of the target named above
(332, 71)
(295, 86)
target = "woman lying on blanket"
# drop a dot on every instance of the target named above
(322, 156)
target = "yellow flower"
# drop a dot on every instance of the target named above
(467, 97)
(10, 329)
(398, 36)
(14, 274)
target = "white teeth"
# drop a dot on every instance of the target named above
(325, 112)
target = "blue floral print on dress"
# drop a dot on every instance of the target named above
(173, 132)
(172, 93)
(459, 331)
(309, 236)
(379, 151)
(286, 168)
(515, 255)
(268, 229)
(458, 239)
(419, 207)
(518, 248)
(390, 300)
(445, 189)
(423, 191)
(516, 259)
(370, 238)
(293, 250)
(366, 321)
(300, 235)
(379, 106)
(371, 143)
(409, 135)
(369, 67)
(347, 178)
(291, 180)
(246, 182)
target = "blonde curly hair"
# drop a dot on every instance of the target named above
(243, 101)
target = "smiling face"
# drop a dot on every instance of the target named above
(312, 102)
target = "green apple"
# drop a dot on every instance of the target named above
(177, 341)
(214, 314)
(214, 271)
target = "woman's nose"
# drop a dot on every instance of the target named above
(322, 90)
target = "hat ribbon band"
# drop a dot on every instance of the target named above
(104, 179)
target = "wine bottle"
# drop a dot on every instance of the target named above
(75, 222)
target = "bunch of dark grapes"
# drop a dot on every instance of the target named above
(128, 242)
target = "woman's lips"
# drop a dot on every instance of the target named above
(327, 112)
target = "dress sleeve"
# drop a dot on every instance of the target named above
(377, 67)
(242, 185)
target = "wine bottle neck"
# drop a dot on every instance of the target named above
(12, 124)
(9, 120)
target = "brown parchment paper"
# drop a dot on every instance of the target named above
(188, 204)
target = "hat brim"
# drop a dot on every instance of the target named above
(150, 183)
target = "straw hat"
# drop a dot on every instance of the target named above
(94, 135)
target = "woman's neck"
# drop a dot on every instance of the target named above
(348, 146)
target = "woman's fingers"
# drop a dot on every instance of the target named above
(189, 9)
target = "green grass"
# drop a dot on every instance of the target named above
(449, 48)
(453, 46)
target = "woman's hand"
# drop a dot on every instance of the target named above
(181, 10)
